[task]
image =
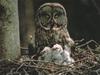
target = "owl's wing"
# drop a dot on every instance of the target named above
(66, 37)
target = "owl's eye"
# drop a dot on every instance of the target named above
(57, 15)
(45, 15)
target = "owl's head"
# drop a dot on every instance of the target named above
(52, 16)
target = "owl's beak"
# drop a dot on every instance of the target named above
(52, 22)
(54, 25)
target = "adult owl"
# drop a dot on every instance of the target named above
(51, 26)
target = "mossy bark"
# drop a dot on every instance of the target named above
(9, 29)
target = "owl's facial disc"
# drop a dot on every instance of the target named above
(52, 18)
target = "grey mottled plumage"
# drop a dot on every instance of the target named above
(51, 26)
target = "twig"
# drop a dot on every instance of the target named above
(11, 71)
(20, 67)
(43, 68)
(25, 72)
(87, 43)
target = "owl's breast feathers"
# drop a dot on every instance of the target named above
(49, 38)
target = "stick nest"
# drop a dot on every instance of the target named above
(87, 62)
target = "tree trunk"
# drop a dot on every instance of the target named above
(9, 29)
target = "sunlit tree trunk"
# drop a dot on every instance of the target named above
(9, 29)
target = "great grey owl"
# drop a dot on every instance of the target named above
(51, 26)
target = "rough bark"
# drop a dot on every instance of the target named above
(9, 29)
